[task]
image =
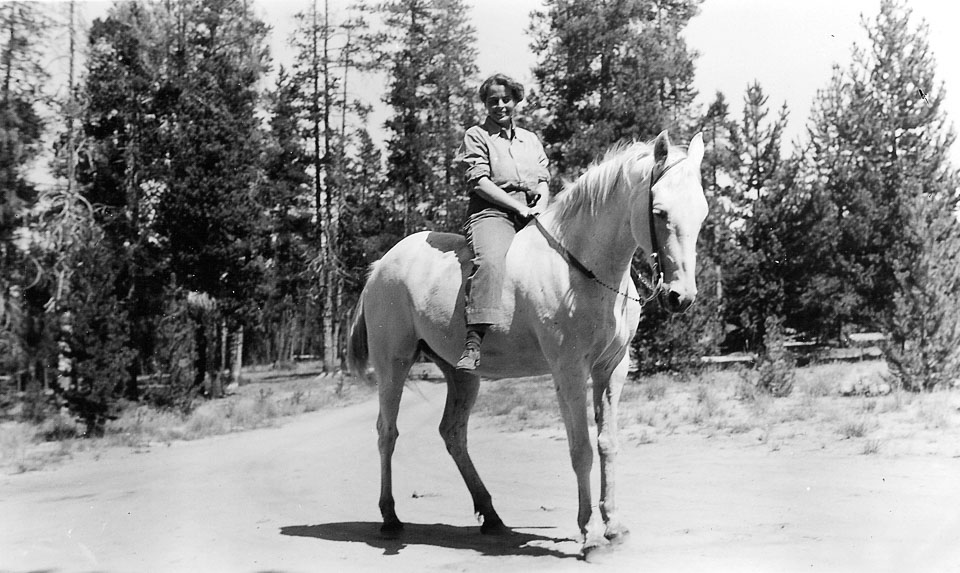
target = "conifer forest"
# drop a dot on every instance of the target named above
(180, 202)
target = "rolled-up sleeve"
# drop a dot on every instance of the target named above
(474, 156)
(543, 164)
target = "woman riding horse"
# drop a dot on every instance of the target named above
(507, 168)
(571, 309)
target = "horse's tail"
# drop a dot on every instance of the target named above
(358, 350)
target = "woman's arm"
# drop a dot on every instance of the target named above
(490, 191)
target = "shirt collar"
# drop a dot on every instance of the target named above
(494, 128)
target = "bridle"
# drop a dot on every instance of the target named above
(655, 284)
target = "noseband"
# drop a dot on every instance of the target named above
(656, 284)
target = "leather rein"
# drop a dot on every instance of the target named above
(655, 285)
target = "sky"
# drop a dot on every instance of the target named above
(788, 46)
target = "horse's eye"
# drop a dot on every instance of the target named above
(659, 213)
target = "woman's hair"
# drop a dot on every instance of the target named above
(515, 87)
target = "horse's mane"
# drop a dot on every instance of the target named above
(599, 180)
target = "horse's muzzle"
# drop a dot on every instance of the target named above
(675, 302)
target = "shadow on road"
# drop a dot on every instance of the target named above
(436, 535)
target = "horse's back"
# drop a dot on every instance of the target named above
(417, 285)
(423, 256)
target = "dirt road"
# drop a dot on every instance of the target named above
(303, 497)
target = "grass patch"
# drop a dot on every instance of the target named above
(818, 388)
(15, 441)
(26, 447)
(707, 404)
(523, 402)
(934, 412)
(854, 429)
(871, 447)
(726, 404)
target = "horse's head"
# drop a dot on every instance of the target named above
(675, 208)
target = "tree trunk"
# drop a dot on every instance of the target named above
(224, 357)
(200, 362)
(236, 354)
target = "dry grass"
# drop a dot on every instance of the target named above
(255, 405)
(261, 403)
(520, 403)
(23, 448)
(719, 404)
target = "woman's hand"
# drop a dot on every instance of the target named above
(526, 213)
(541, 197)
(488, 190)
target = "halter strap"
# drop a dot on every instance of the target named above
(655, 176)
(572, 260)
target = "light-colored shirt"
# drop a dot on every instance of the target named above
(509, 161)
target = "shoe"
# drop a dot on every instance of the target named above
(470, 359)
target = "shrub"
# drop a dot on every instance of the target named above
(94, 334)
(171, 370)
(775, 367)
(856, 429)
(676, 342)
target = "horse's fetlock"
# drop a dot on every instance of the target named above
(608, 509)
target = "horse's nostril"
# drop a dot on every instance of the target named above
(673, 299)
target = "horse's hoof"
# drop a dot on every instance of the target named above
(391, 529)
(617, 536)
(494, 526)
(596, 551)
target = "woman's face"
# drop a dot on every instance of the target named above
(500, 105)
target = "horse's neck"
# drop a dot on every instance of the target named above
(601, 240)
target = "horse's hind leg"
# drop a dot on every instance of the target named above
(391, 376)
(462, 390)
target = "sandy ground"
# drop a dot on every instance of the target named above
(303, 497)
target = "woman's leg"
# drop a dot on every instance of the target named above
(489, 235)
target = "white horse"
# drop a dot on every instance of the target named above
(573, 310)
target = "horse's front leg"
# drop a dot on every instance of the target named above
(572, 396)
(607, 386)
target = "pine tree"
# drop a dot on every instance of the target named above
(22, 31)
(878, 139)
(370, 226)
(120, 131)
(428, 50)
(95, 332)
(610, 71)
(754, 269)
(837, 216)
(288, 244)
(208, 210)
(923, 325)
(719, 168)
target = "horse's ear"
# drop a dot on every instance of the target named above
(661, 147)
(695, 149)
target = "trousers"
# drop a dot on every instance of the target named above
(489, 233)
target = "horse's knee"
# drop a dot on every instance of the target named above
(607, 446)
